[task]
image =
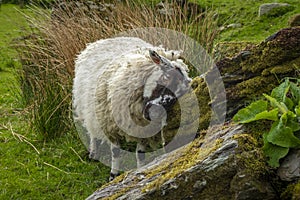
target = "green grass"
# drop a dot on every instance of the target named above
(245, 12)
(30, 167)
(59, 168)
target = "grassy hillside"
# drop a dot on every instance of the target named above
(245, 12)
(30, 168)
(60, 169)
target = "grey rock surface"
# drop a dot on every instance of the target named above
(209, 168)
(289, 170)
(267, 7)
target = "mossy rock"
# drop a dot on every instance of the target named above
(279, 11)
(258, 69)
(292, 192)
(294, 20)
(230, 49)
(223, 163)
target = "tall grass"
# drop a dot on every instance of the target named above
(50, 47)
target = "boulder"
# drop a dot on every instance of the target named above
(289, 170)
(223, 163)
(268, 7)
(258, 69)
(295, 20)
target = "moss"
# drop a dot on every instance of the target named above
(257, 129)
(119, 179)
(294, 20)
(292, 192)
(286, 68)
(296, 191)
(188, 115)
(118, 194)
(251, 155)
(282, 47)
(254, 87)
(231, 49)
(202, 93)
(184, 159)
(246, 142)
(259, 69)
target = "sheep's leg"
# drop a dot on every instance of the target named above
(115, 161)
(163, 139)
(140, 155)
(94, 148)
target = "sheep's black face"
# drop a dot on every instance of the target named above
(167, 85)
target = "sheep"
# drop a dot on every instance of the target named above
(123, 88)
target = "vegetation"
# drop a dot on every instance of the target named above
(30, 167)
(283, 108)
(49, 161)
(253, 28)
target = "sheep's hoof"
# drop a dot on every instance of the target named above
(113, 176)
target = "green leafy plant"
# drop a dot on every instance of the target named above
(283, 108)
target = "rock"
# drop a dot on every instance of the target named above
(217, 165)
(234, 25)
(257, 68)
(267, 7)
(230, 49)
(295, 20)
(289, 170)
(246, 76)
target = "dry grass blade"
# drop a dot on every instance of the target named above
(19, 137)
(77, 155)
(54, 167)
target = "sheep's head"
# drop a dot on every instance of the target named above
(164, 86)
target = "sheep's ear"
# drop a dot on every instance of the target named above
(164, 63)
(155, 57)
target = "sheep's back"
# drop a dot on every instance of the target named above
(93, 66)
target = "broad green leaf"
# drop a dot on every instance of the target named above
(279, 93)
(249, 113)
(289, 103)
(295, 90)
(282, 135)
(275, 153)
(270, 115)
(293, 124)
(275, 104)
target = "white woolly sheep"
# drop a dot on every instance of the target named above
(122, 89)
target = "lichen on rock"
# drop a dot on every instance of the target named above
(214, 166)
(258, 69)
